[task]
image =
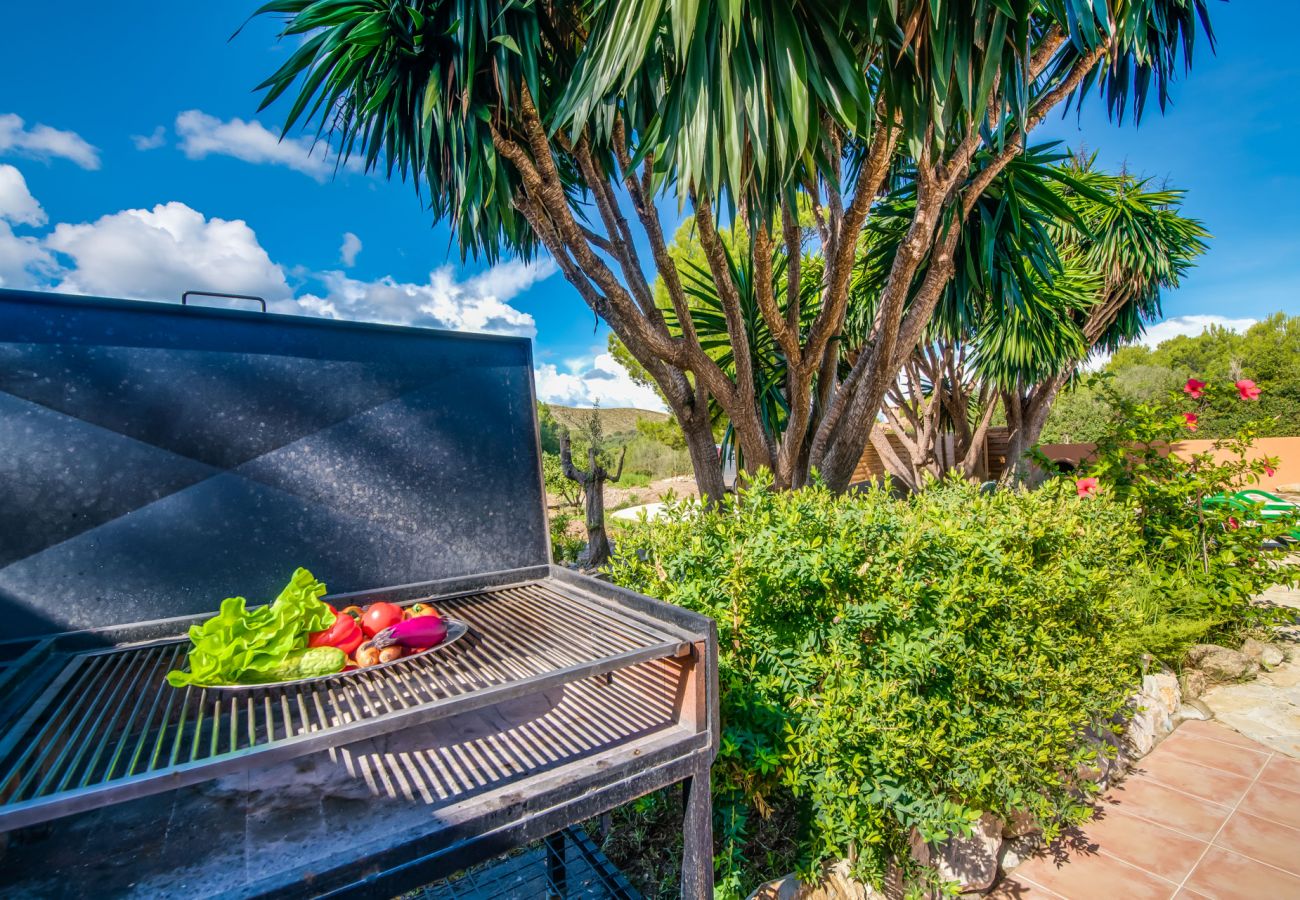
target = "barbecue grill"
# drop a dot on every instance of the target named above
(156, 458)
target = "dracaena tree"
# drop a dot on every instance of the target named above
(1134, 241)
(539, 125)
(1058, 259)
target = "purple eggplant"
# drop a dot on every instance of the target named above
(417, 632)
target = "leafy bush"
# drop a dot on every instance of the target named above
(897, 667)
(565, 545)
(1206, 561)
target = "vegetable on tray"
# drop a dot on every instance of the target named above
(244, 646)
(420, 631)
(299, 636)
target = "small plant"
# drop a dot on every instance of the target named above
(565, 546)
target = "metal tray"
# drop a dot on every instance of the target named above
(455, 631)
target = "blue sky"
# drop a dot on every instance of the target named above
(132, 162)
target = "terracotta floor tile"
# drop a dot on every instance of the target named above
(1141, 796)
(1215, 754)
(1148, 846)
(1283, 772)
(1093, 876)
(1185, 894)
(1015, 889)
(1263, 840)
(1269, 801)
(1224, 875)
(1193, 778)
(1217, 732)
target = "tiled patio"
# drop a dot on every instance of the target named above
(1208, 814)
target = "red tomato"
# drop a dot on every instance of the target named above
(379, 616)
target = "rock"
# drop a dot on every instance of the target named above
(1018, 850)
(1163, 688)
(1152, 712)
(1194, 709)
(1020, 823)
(970, 861)
(837, 883)
(1140, 736)
(1270, 656)
(786, 888)
(1193, 684)
(1222, 665)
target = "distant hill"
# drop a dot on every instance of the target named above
(615, 420)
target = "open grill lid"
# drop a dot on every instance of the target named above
(156, 458)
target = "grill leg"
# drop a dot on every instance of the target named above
(697, 837)
(557, 875)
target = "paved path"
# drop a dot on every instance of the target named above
(1267, 709)
(1208, 815)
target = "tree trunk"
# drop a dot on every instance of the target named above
(693, 417)
(704, 459)
(593, 485)
(1027, 421)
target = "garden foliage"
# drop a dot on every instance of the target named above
(891, 668)
(898, 667)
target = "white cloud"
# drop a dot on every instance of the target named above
(150, 141)
(1191, 326)
(44, 142)
(602, 381)
(23, 261)
(17, 204)
(156, 254)
(351, 247)
(479, 303)
(203, 135)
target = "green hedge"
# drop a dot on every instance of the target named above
(892, 667)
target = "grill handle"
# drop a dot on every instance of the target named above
(185, 296)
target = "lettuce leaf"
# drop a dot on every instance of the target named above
(242, 646)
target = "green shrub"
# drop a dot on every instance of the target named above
(565, 546)
(891, 667)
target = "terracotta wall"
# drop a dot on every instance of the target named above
(1285, 449)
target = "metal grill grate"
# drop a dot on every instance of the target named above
(107, 726)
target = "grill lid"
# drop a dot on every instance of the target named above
(156, 458)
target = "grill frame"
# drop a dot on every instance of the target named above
(396, 483)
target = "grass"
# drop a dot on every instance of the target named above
(645, 842)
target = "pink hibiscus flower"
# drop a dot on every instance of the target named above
(1194, 389)
(1087, 487)
(1191, 419)
(1246, 388)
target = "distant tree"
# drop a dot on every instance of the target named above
(663, 431)
(592, 479)
(549, 428)
(1268, 353)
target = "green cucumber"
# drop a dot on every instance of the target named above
(310, 663)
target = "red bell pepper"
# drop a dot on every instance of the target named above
(345, 634)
